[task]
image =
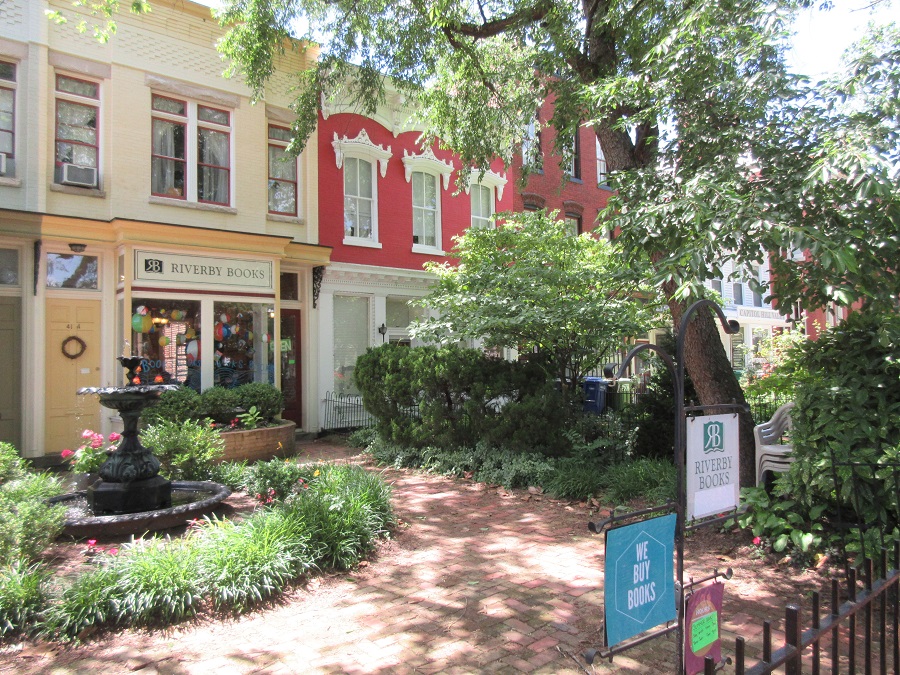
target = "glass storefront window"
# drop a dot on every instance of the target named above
(167, 334)
(65, 270)
(244, 343)
(9, 267)
(289, 286)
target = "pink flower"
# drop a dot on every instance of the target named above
(92, 542)
(757, 541)
(96, 443)
(113, 437)
(65, 454)
(113, 551)
(87, 433)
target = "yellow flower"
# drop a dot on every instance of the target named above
(315, 473)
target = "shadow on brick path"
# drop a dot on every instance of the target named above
(476, 580)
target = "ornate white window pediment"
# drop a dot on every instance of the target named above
(361, 146)
(427, 163)
(490, 179)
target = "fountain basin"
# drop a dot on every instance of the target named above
(209, 495)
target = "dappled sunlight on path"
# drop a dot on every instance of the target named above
(476, 579)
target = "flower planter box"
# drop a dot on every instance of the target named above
(256, 444)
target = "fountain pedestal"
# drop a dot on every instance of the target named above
(130, 480)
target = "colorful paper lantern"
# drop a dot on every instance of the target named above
(180, 339)
(137, 323)
(146, 323)
(192, 351)
(219, 331)
(163, 340)
(223, 318)
(142, 310)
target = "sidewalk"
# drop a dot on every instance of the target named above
(477, 579)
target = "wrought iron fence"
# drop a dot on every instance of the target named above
(345, 412)
(834, 641)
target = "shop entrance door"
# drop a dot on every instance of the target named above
(290, 365)
(11, 371)
(69, 367)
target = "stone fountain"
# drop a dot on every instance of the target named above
(131, 496)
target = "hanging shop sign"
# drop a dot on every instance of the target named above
(712, 465)
(770, 314)
(702, 618)
(640, 592)
(202, 271)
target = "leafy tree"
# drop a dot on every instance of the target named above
(526, 284)
(715, 151)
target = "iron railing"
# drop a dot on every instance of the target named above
(860, 630)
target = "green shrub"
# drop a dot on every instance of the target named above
(219, 404)
(91, 600)
(346, 509)
(158, 581)
(645, 478)
(362, 438)
(230, 474)
(11, 465)
(847, 412)
(186, 450)
(269, 401)
(27, 524)
(241, 565)
(275, 479)
(177, 405)
(452, 397)
(21, 595)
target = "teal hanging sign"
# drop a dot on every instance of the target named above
(640, 589)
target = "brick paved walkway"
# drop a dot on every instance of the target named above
(476, 580)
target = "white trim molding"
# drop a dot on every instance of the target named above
(361, 146)
(427, 163)
(490, 179)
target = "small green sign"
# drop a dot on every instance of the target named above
(704, 631)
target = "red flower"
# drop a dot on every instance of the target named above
(65, 454)
(92, 542)
(757, 541)
(113, 551)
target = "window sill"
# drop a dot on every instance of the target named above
(215, 208)
(276, 218)
(575, 180)
(72, 190)
(427, 250)
(604, 186)
(10, 182)
(357, 241)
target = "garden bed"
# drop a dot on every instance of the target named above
(256, 444)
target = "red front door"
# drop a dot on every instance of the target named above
(290, 365)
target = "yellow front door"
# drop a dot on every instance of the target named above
(71, 364)
(11, 371)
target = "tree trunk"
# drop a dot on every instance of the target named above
(714, 380)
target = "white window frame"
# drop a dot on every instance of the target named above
(363, 148)
(190, 120)
(281, 145)
(428, 164)
(11, 86)
(602, 169)
(492, 181)
(84, 101)
(531, 147)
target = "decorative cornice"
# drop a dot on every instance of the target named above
(490, 179)
(361, 146)
(427, 162)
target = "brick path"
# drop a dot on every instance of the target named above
(476, 580)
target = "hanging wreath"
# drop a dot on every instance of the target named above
(76, 351)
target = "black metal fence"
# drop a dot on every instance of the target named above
(345, 412)
(860, 630)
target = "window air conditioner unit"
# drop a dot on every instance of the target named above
(2, 163)
(79, 176)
